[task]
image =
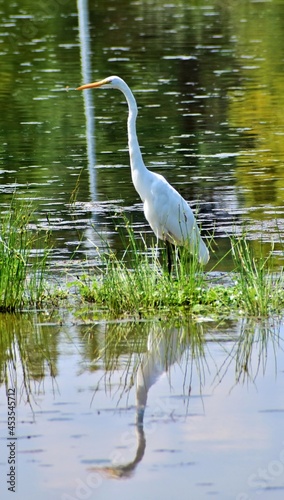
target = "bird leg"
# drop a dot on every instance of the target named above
(169, 255)
(172, 253)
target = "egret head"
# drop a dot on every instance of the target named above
(111, 82)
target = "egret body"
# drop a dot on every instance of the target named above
(166, 211)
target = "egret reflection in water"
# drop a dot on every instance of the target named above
(245, 346)
(168, 372)
(165, 347)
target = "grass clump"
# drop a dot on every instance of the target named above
(258, 288)
(138, 283)
(22, 261)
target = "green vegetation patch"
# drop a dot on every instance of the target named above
(23, 259)
(138, 283)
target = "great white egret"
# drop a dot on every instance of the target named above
(167, 212)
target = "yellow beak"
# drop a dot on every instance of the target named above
(93, 85)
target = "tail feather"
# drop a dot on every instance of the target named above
(203, 252)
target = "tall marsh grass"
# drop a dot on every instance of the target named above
(138, 282)
(259, 288)
(23, 259)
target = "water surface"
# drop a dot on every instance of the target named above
(208, 78)
(135, 410)
(150, 409)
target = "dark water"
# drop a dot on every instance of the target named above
(208, 79)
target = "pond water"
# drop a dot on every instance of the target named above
(213, 420)
(208, 77)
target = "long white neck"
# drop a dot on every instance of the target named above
(138, 170)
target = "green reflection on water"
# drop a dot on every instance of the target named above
(117, 358)
(140, 351)
(28, 353)
(209, 83)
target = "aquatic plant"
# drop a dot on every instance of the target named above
(258, 287)
(23, 258)
(138, 283)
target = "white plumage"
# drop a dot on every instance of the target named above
(168, 214)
